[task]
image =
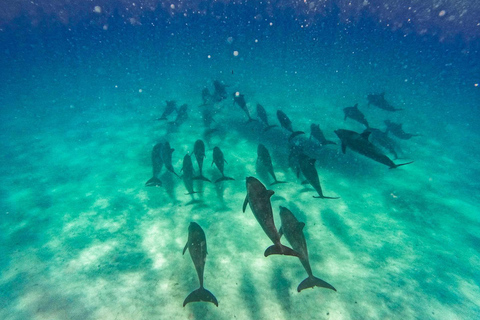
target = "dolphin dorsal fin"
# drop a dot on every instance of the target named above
(365, 134)
(356, 106)
(269, 193)
(245, 203)
(301, 225)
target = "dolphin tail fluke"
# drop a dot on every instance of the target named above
(280, 249)
(401, 164)
(201, 178)
(201, 294)
(224, 178)
(153, 182)
(312, 281)
(277, 182)
(324, 197)
(294, 134)
(269, 127)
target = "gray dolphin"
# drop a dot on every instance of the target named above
(167, 157)
(169, 108)
(197, 246)
(239, 99)
(397, 130)
(293, 231)
(317, 133)
(220, 161)
(262, 115)
(286, 123)
(379, 101)
(360, 144)
(355, 114)
(307, 166)
(263, 157)
(188, 174)
(182, 116)
(258, 197)
(199, 152)
(157, 164)
(220, 92)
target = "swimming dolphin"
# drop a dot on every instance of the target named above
(359, 143)
(379, 101)
(263, 157)
(199, 152)
(169, 108)
(258, 197)
(188, 174)
(397, 130)
(220, 161)
(382, 139)
(239, 99)
(307, 166)
(157, 164)
(355, 114)
(287, 124)
(182, 115)
(317, 133)
(220, 93)
(293, 231)
(262, 115)
(197, 246)
(167, 157)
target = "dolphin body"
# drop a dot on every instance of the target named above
(397, 130)
(182, 116)
(286, 123)
(188, 174)
(379, 101)
(169, 108)
(355, 114)
(360, 144)
(258, 197)
(167, 157)
(219, 161)
(197, 247)
(263, 157)
(382, 139)
(157, 164)
(220, 92)
(239, 99)
(317, 133)
(262, 115)
(293, 231)
(199, 152)
(307, 166)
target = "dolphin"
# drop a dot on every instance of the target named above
(197, 246)
(199, 152)
(188, 174)
(263, 157)
(382, 139)
(317, 133)
(397, 130)
(219, 93)
(206, 96)
(293, 231)
(379, 101)
(239, 99)
(258, 197)
(157, 164)
(169, 108)
(167, 157)
(262, 115)
(359, 143)
(287, 124)
(182, 115)
(307, 166)
(355, 114)
(219, 161)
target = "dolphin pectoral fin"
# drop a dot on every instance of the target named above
(223, 179)
(277, 182)
(344, 147)
(305, 182)
(201, 294)
(324, 197)
(153, 182)
(399, 165)
(312, 281)
(245, 202)
(201, 178)
(280, 249)
(185, 248)
(269, 127)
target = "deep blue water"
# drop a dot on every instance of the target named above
(83, 238)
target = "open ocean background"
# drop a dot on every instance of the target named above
(82, 237)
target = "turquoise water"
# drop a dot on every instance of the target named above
(82, 237)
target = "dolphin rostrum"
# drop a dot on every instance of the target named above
(220, 161)
(307, 166)
(286, 123)
(359, 143)
(157, 164)
(263, 158)
(197, 246)
(258, 197)
(293, 231)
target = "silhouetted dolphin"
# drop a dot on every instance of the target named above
(307, 166)
(169, 108)
(197, 246)
(157, 164)
(220, 93)
(397, 130)
(293, 231)
(239, 99)
(262, 115)
(287, 124)
(220, 161)
(263, 157)
(382, 139)
(379, 101)
(259, 199)
(359, 143)
(199, 152)
(167, 157)
(355, 114)
(188, 174)
(317, 133)
(182, 115)
(206, 96)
